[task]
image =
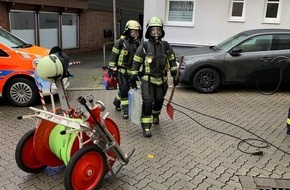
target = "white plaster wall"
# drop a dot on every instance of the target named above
(211, 24)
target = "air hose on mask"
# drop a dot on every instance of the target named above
(284, 59)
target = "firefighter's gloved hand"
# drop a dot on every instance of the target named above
(133, 81)
(114, 69)
(176, 81)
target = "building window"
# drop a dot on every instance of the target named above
(26, 24)
(237, 11)
(69, 31)
(272, 11)
(180, 12)
(22, 24)
(48, 29)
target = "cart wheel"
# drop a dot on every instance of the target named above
(25, 156)
(85, 169)
(114, 130)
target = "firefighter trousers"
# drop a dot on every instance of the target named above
(153, 98)
(122, 97)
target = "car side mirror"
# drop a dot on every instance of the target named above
(236, 51)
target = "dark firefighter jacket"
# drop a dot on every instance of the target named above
(122, 54)
(155, 61)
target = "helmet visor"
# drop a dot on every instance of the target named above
(134, 33)
(156, 31)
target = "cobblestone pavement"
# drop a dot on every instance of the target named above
(197, 150)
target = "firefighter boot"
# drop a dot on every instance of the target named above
(125, 112)
(117, 104)
(288, 130)
(146, 130)
(156, 119)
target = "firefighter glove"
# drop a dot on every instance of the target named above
(114, 69)
(176, 81)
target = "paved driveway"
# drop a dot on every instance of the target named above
(197, 150)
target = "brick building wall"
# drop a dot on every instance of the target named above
(92, 26)
(4, 18)
(92, 23)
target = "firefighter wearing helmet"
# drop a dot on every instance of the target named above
(122, 58)
(156, 57)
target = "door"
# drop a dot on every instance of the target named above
(281, 49)
(252, 59)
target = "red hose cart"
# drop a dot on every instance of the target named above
(88, 144)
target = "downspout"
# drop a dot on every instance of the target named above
(114, 15)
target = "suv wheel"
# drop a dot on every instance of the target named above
(21, 92)
(206, 80)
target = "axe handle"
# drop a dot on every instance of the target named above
(176, 77)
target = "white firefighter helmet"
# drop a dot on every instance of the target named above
(50, 68)
(133, 25)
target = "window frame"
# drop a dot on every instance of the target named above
(37, 26)
(179, 23)
(237, 18)
(277, 40)
(77, 30)
(272, 20)
(12, 30)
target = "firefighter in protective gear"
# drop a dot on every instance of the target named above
(156, 58)
(122, 58)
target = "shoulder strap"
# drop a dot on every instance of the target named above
(122, 42)
(166, 45)
(144, 47)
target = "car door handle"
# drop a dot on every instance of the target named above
(265, 59)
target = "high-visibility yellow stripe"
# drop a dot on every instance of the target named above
(115, 50)
(133, 72)
(124, 102)
(138, 59)
(171, 57)
(154, 80)
(121, 57)
(155, 112)
(288, 121)
(112, 64)
(127, 71)
(173, 68)
(146, 120)
(118, 97)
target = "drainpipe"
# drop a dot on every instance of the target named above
(114, 15)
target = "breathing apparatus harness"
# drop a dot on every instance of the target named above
(164, 48)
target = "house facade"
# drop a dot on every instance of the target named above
(75, 25)
(208, 22)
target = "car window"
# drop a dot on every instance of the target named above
(3, 53)
(230, 42)
(10, 40)
(257, 43)
(282, 42)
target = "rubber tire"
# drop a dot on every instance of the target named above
(29, 84)
(82, 155)
(206, 80)
(26, 144)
